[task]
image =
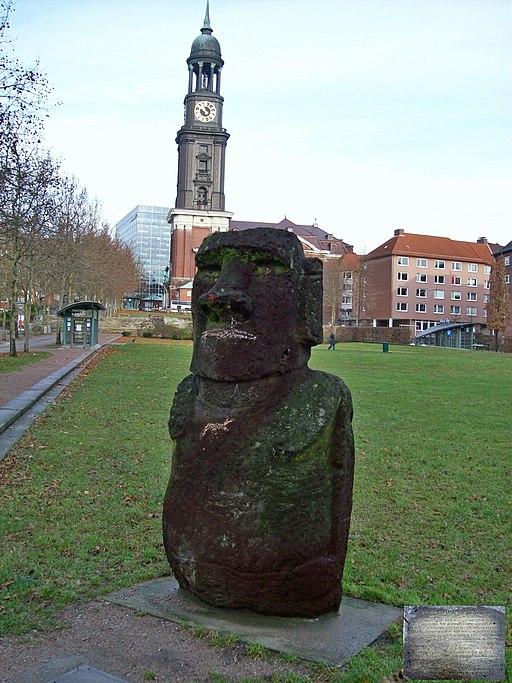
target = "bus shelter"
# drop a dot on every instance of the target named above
(449, 335)
(81, 323)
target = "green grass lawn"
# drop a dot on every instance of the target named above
(13, 363)
(81, 494)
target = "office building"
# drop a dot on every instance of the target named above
(146, 231)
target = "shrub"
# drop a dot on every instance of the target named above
(126, 333)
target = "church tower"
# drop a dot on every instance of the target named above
(200, 202)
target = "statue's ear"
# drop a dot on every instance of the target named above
(311, 303)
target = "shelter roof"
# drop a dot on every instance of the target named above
(443, 327)
(82, 306)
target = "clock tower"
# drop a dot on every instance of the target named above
(200, 202)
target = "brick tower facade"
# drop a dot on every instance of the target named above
(200, 202)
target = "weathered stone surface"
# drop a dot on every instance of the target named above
(257, 510)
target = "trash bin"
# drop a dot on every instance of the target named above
(385, 347)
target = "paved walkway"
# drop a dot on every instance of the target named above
(22, 391)
(12, 384)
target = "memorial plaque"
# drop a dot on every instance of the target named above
(454, 643)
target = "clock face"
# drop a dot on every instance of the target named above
(205, 111)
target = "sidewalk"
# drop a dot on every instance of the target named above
(21, 389)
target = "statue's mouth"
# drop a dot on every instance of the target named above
(228, 333)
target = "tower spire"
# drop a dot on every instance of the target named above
(206, 25)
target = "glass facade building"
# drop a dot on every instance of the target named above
(146, 231)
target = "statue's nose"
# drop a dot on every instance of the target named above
(226, 303)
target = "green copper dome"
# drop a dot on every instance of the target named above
(205, 47)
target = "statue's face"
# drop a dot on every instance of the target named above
(245, 305)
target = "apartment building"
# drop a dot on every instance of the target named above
(506, 252)
(419, 281)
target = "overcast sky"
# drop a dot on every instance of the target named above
(366, 115)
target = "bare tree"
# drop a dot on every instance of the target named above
(27, 183)
(23, 91)
(498, 310)
(26, 174)
(333, 287)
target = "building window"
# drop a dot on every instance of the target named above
(471, 310)
(438, 308)
(439, 279)
(421, 262)
(507, 260)
(402, 291)
(421, 277)
(439, 264)
(472, 282)
(422, 325)
(472, 267)
(421, 293)
(484, 313)
(472, 296)
(438, 293)
(487, 270)
(456, 265)
(486, 298)
(507, 279)
(487, 284)
(403, 276)
(403, 261)
(421, 308)
(456, 296)
(455, 310)
(401, 306)
(456, 280)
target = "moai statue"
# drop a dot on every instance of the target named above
(257, 510)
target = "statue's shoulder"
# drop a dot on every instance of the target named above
(323, 393)
(182, 405)
(311, 407)
(333, 388)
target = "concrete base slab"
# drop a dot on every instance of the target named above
(65, 670)
(86, 674)
(332, 639)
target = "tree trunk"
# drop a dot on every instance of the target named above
(28, 306)
(12, 326)
(26, 309)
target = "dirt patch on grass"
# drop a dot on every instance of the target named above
(137, 647)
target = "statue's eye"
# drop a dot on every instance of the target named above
(210, 269)
(270, 267)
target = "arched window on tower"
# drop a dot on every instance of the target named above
(202, 195)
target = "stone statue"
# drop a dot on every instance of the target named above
(257, 510)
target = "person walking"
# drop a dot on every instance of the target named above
(332, 342)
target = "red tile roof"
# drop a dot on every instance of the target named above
(410, 244)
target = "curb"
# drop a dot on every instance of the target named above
(13, 410)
